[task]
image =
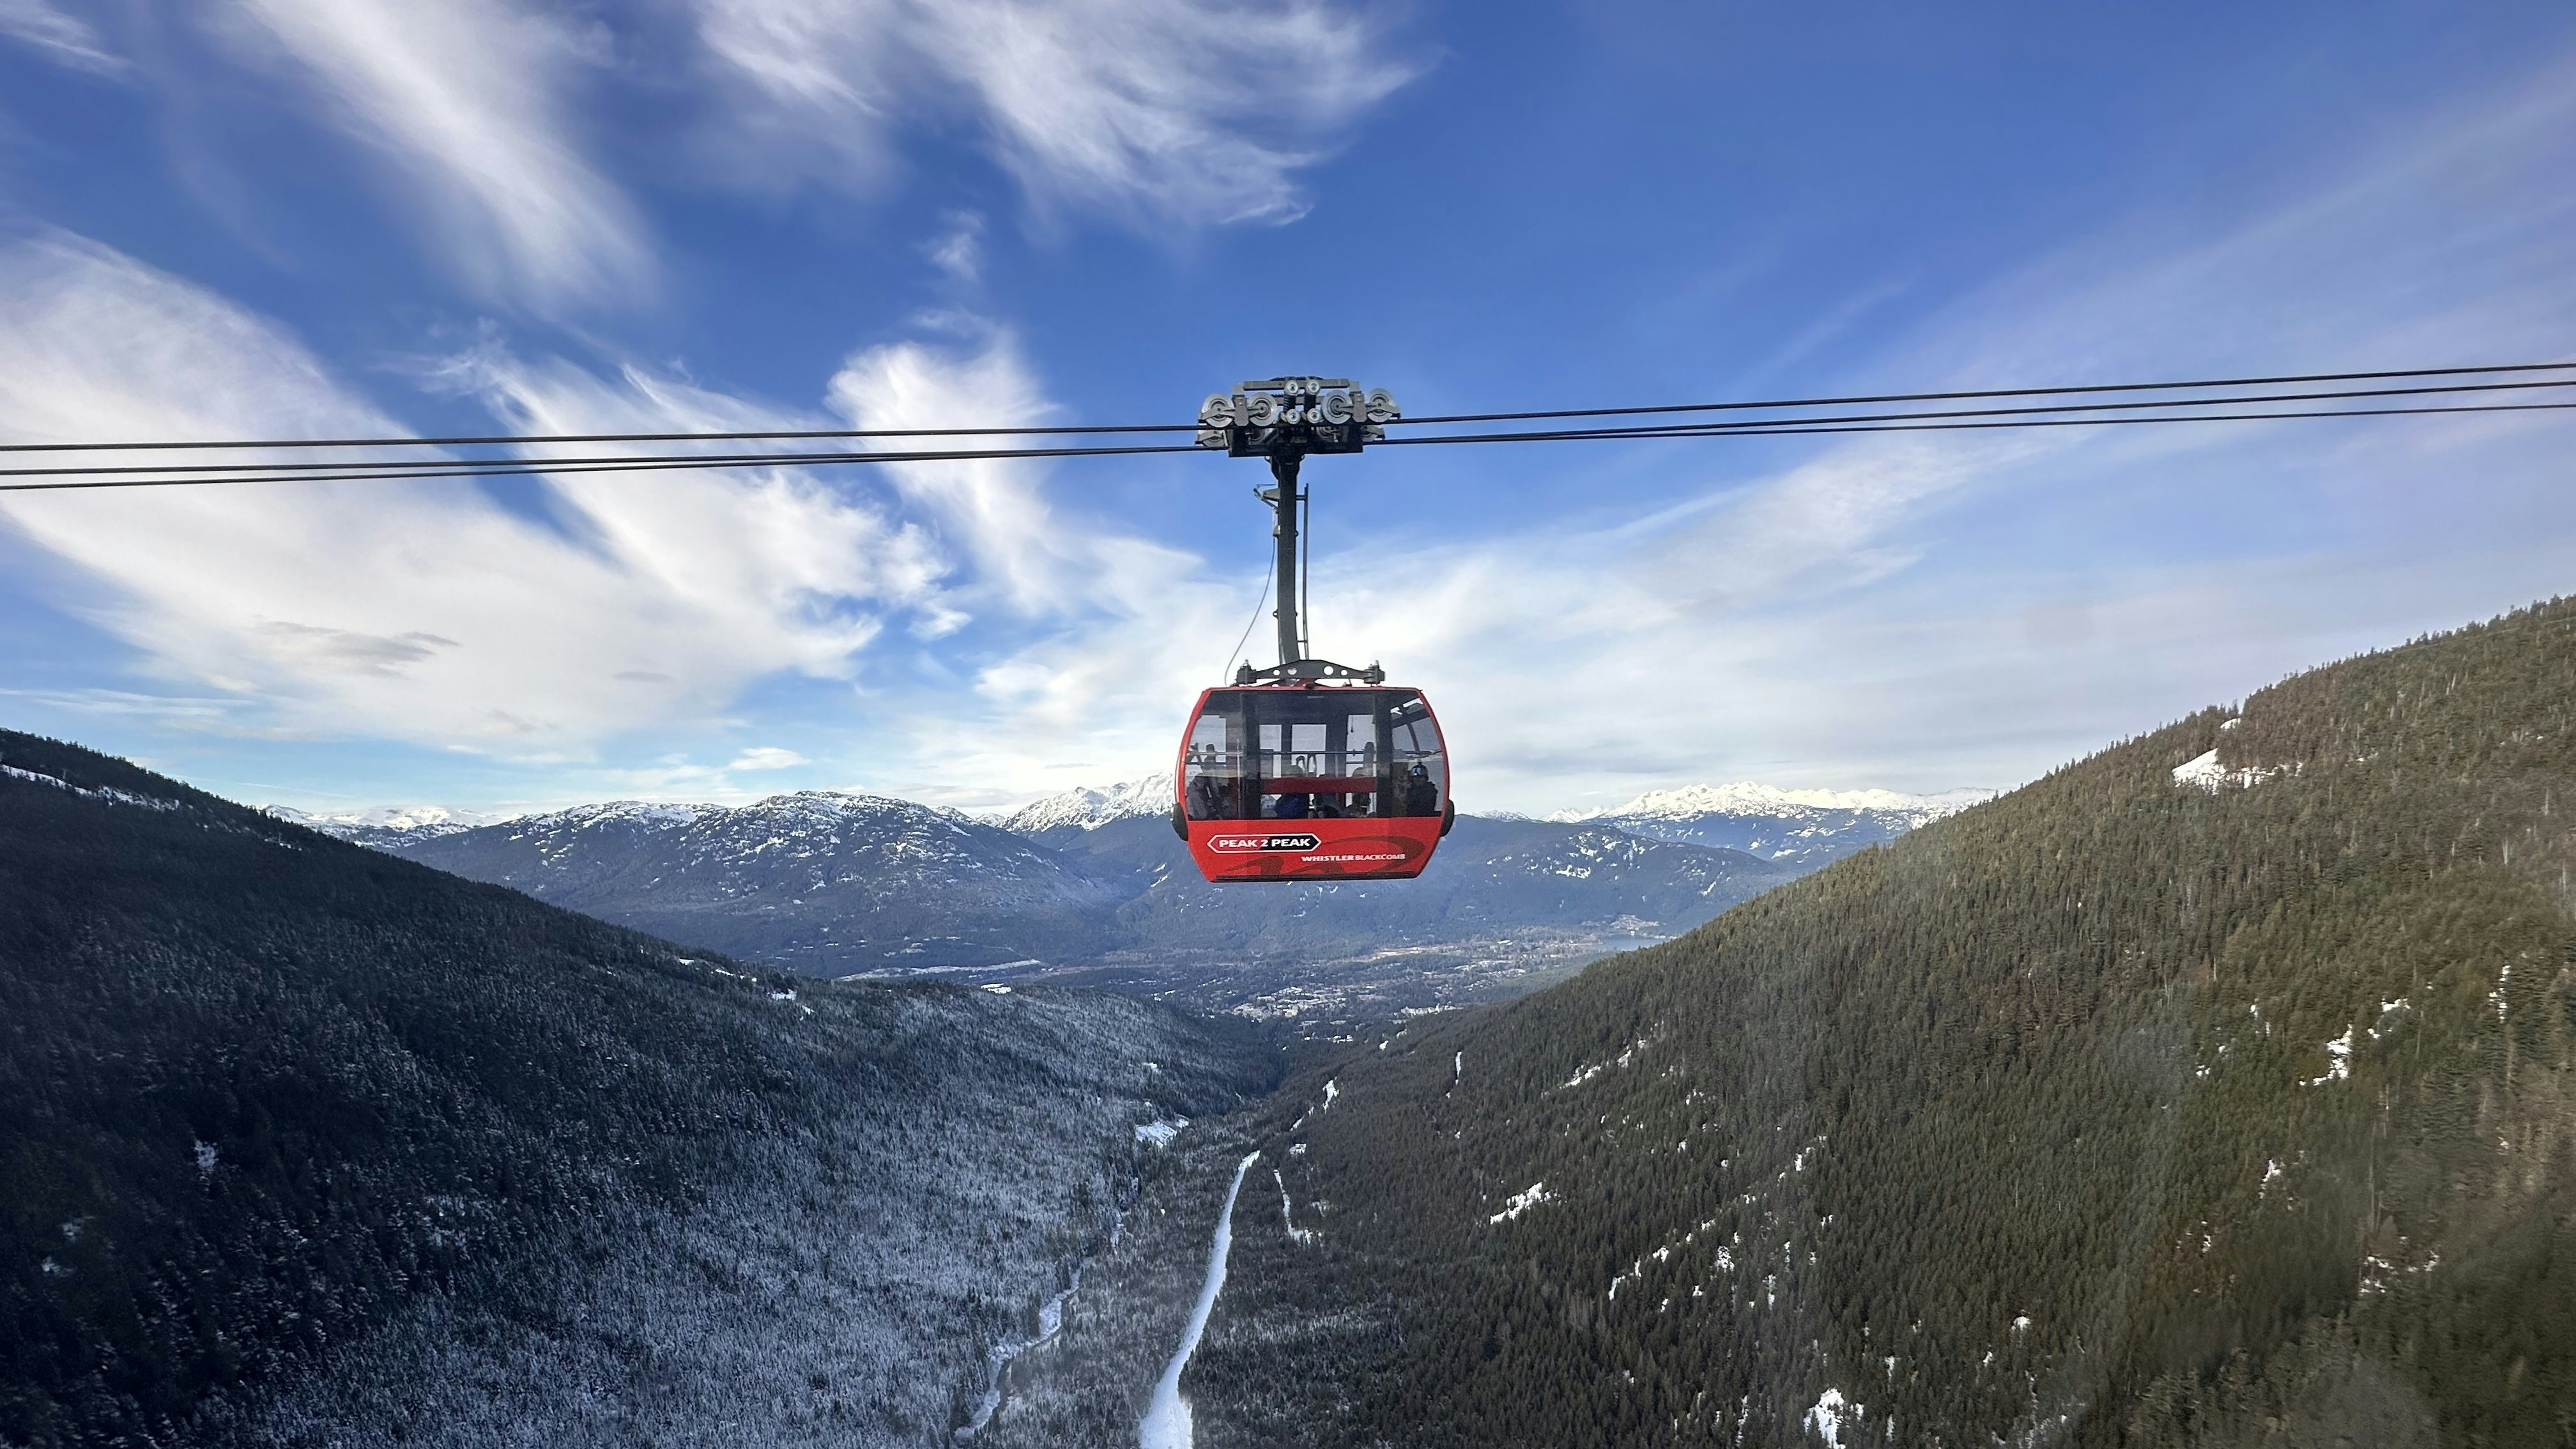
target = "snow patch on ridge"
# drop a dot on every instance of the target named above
(2338, 1060)
(1522, 1201)
(1288, 1216)
(1827, 1417)
(108, 793)
(2203, 772)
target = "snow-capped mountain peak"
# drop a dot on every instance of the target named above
(386, 826)
(1800, 827)
(394, 828)
(800, 806)
(1744, 797)
(1087, 808)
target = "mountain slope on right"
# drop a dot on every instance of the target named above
(2217, 1089)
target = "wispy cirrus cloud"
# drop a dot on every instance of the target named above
(469, 99)
(61, 37)
(1094, 626)
(1157, 110)
(994, 510)
(958, 252)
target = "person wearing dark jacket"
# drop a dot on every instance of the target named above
(1420, 796)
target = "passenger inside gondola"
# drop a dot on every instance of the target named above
(1421, 797)
(1300, 754)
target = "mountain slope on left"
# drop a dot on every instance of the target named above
(300, 1139)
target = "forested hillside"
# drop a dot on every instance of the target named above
(304, 1144)
(2213, 1090)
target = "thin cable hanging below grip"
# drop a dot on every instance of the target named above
(1268, 567)
(1306, 573)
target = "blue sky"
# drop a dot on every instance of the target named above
(275, 217)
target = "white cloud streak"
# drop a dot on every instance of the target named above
(959, 252)
(419, 612)
(1157, 110)
(995, 511)
(1097, 626)
(62, 38)
(467, 96)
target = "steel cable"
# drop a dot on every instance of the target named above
(817, 434)
(2041, 415)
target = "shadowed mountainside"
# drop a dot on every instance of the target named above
(301, 1143)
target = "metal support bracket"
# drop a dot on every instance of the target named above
(1287, 419)
(1310, 670)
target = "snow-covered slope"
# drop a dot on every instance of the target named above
(1087, 808)
(1797, 827)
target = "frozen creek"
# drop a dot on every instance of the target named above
(1167, 1418)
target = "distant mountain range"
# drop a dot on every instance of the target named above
(1092, 883)
(817, 881)
(386, 827)
(1804, 828)
(1800, 827)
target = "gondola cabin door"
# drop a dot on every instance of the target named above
(1308, 781)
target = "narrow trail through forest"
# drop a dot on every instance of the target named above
(1167, 1418)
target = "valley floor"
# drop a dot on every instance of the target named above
(1335, 995)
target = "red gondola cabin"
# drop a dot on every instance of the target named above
(1305, 781)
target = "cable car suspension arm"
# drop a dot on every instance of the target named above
(1284, 419)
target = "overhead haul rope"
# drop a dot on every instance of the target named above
(2040, 415)
(810, 434)
(521, 467)
(1791, 428)
(486, 467)
(1897, 397)
(629, 463)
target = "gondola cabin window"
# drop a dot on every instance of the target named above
(1314, 754)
